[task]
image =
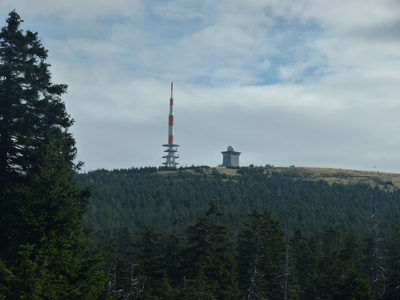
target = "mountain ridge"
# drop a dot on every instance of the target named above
(387, 181)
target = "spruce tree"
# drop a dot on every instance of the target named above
(43, 250)
(32, 116)
(261, 253)
(392, 264)
(340, 267)
(353, 283)
(150, 271)
(303, 267)
(209, 265)
(31, 109)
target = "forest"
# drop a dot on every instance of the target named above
(174, 235)
(137, 196)
(156, 233)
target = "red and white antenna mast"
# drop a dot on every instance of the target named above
(171, 117)
(172, 148)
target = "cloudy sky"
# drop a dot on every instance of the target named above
(287, 82)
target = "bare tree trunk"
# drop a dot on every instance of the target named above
(286, 271)
(377, 269)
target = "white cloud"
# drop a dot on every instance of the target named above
(79, 11)
(305, 82)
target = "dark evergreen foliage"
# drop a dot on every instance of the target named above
(391, 264)
(43, 250)
(303, 267)
(261, 257)
(31, 110)
(133, 197)
(150, 265)
(209, 264)
(325, 257)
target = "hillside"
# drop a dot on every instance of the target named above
(310, 198)
(150, 218)
(390, 181)
(386, 181)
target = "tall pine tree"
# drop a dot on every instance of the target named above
(209, 265)
(261, 253)
(303, 265)
(150, 272)
(392, 264)
(43, 251)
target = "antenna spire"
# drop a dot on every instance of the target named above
(172, 148)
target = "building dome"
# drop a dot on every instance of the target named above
(231, 148)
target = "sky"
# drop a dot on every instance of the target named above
(312, 83)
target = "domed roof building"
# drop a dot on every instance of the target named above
(230, 157)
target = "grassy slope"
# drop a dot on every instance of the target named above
(389, 181)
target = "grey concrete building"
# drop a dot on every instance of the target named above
(230, 157)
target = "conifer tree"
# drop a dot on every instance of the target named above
(340, 267)
(210, 269)
(261, 251)
(43, 250)
(31, 109)
(303, 266)
(32, 116)
(353, 284)
(150, 270)
(392, 264)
